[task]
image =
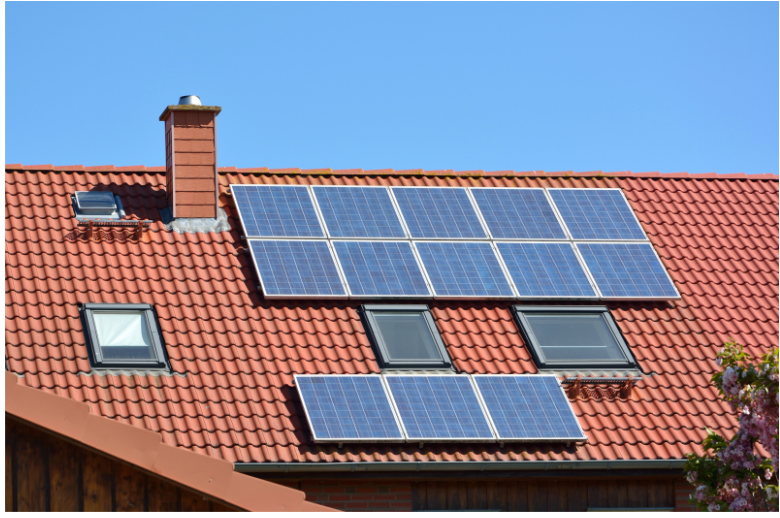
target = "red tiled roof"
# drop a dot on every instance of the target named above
(234, 354)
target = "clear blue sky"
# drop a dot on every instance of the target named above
(555, 86)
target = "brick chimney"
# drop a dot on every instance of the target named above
(191, 158)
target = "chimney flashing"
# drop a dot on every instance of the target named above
(189, 108)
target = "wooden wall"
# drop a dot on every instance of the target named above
(46, 473)
(543, 494)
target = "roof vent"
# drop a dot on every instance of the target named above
(190, 99)
(90, 205)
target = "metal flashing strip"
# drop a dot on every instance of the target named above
(416, 466)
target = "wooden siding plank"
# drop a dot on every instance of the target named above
(221, 508)
(477, 494)
(162, 496)
(96, 488)
(622, 493)
(10, 429)
(578, 496)
(64, 476)
(437, 496)
(457, 495)
(537, 496)
(194, 502)
(656, 494)
(637, 493)
(496, 493)
(521, 495)
(419, 496)
(31, 464)
(557, 494)
(597, 494)
(130, 488)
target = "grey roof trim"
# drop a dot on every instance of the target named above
(538, 465)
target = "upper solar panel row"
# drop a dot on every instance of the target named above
(452, 213)
(420, 242)
(437, 408)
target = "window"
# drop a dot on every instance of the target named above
(573, 336)
(123, 335)
(91, 205)
(405, 336)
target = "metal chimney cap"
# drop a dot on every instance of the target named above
(190, 99)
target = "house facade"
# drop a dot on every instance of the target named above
(219, 375)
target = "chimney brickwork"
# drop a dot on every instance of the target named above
(191, 160)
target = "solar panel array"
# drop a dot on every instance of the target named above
(424, 408)
(449, 242)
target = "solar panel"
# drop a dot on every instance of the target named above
(358, 212)
(347, 408)
(277, 211)
(597, 214)
(296, 268)
(627, 271)
(438, 213)
(463, 269)
(438, 408)
(545, 270)
(518, 214)
(381, 268)
(528, 407)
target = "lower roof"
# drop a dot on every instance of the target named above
(234, 354)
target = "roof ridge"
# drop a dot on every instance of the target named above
(406, 172)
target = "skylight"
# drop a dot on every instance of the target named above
(91, 205)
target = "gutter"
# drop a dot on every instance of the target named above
(428, 466)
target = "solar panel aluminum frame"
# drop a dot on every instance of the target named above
(518, 312)
(613, 242)
(622, 194)
(442, 439)
(281, 238)
(471, 201)
(534, 239)
(393, 409)
(339, 238)
(596, 292)
(387, 297)
(469, 297)
(332, 254)
(581, 438)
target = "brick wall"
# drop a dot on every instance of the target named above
(359, 495)
(682, 491)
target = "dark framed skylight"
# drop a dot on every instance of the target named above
(123, 335)
(573, 337)
(405, 336)
(90, 205)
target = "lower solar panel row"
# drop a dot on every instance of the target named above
(425, 408)
(422, 269)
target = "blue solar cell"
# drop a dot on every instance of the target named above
(518, 214)
(296, 268)
(358, 212)
(277, 211)
(438, 407)
(528, 407)
(348, 407)
(627, 270)
(596, 214)
(545, 270)
(438, 212)
(463, 269)
(378, 268)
